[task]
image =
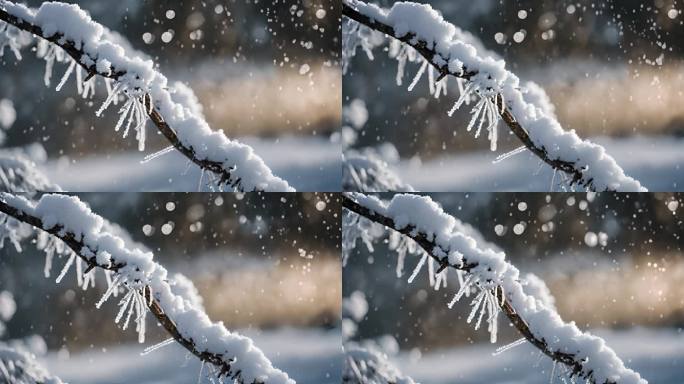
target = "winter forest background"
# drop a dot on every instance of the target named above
(267, 265)
(613, 263)
(265, 72)
(612, 69)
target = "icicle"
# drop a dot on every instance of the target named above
(66, 267)
(89, 88)
(124, 304)
(465, 287)
(441, 280)
(113, 94)
(553, 372)
(66, 75)
(401, 64)
(419, 74)
(476, 304)
(89, 280)
(506, 347)
(79, 272)
(79, 80)
(431, 272)
(123, 112)
(483, 308)
(475, 112)
(112, 287)
(465, 94)
(484, 116)
(48, 264)
(418, 267)
(140, 128)
(131, 308)
(199, 185)
(153, 348)
(431, 79)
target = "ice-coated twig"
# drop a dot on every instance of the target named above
(499, 283)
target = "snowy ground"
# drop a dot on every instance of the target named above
(309, 356)
(657, 162)
(656, 354)
(308, 164)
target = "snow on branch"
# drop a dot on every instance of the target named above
(421, 34)
(497, 284)
(68, 34)
(76, 231)
(367, 365)
(19, 367)
(18, 173)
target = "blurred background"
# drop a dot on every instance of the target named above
(613, 262)
(266, 73)
(614, 71)
(266, 265)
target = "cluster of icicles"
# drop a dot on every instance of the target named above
(133, 113)
(133, 305)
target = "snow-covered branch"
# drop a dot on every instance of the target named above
(498, 92)
(366, 365)
(498, 283)
(68, 34)
(146, 283)
(19, 367)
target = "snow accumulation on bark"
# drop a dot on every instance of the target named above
(423, 35)
(497, 284)
(71, 229)
(68, 34)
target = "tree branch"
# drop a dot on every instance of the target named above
(576, 174)
(518, 322)
(154, 306)
(224, 174)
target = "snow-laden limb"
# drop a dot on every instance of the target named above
(369, 366)
(146, 283)
(20, 367)
(18, 173)
(498, 284)
(499, 94)
(74, 37)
